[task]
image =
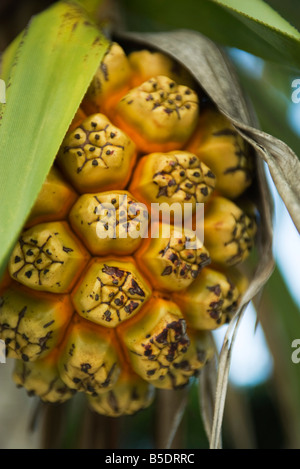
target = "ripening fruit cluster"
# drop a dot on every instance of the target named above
(92, 301)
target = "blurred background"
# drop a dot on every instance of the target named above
(263, 404)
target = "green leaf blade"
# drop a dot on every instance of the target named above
(260, 12)
(45, 88)
(252, 26)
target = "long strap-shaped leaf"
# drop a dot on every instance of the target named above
(250, 25)
(49, 67)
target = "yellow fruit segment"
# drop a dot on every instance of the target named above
(173, 177)
(218, 145)
(41, 378)
(110, 83)
(32, 325)
(129, 395)
(88, 360)
(159, 115)
(110, 222)
(200, 351)
(97, 155)
(111, 291)
(171, 259)
(228, 232)
(146, 64)
(54, 201)
(157, 340)
(48, 257)
(212, 299)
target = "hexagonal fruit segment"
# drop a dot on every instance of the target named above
(218, 145)
(111, 291)
(146, 64)
(54, 200)
(174, 177)
(200, 351)
(159, 115)
(129, 395)
(171, 258)
(212, 299)
(156, 339)
(32, 326)
(110, 222)
(228, 231)
(110, 83)
(48, 257)
(97, 156)
(88, 360)
(41, 378)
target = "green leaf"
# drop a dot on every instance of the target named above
(251, 25)
(91, 6)
(260, 12)
(288, 9)
(49, 69)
